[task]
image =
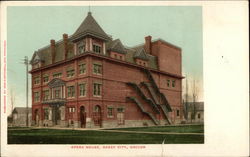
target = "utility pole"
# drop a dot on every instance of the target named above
(186, 104)
(26, 62)
(194, 99)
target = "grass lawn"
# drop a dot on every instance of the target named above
(179, 129)
(53, 136)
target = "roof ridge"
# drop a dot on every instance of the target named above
(89, 26)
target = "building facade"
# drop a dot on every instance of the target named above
(194, 112)
(89, 80)
(18, 117)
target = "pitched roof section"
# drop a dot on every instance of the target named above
(198, 106)
(116, 46)
(141, 54)
(89, 27)
(37, 57)
(56, 82)
(21, 110)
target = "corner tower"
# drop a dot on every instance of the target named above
(90, 37)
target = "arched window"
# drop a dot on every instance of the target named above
(97, 108)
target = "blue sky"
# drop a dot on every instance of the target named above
(31, 28)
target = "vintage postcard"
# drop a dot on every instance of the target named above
(124, 79)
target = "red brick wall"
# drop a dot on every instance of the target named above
(117, 55)
(169, 57)
(114, 90)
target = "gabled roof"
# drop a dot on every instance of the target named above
(56, 83)
(141, 54)
(89, 27)
(21, 110)
(37, 57)
(198, 106)
(116, 46)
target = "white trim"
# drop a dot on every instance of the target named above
(104, 48)
(90, 44)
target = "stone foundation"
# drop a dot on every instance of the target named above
(105, 124)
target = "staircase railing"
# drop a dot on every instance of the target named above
(135, 100)
(148, 100)
(151, 91)
(162, 96)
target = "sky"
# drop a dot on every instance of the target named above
(31, 28)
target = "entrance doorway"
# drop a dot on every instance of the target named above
(56, 117)
(36, 117)
(97, 115)
(120, 116)
(82, 117)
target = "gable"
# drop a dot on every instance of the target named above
(56, 83)
(141, 54)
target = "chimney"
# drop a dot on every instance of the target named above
(147, 45)
(53, 50)
(65, 45)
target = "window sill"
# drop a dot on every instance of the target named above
(98, 96)
(82, 96)
(70, 97)
(98, 74)
(82, 74)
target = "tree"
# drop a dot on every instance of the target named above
(12, 99)
(195, 97)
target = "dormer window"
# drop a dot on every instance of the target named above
(96, 48)
(81, 47)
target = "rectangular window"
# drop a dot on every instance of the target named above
(70, 73)
(45, 78)
(37, 80)
(82, 90)
(71, 109)
(82, 68)
(97, 89)
(46, 114)
(110, 111)
(57, 92)
(57, 75)
(177, 113)
(96, 48)
(173, 83)
(71, 91)
(168, 83)
(36, 96)
(81, 47)
(46, 95)
(120, 109)
(199, 115)
(97, 69)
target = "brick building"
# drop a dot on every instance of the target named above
(90, 80)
